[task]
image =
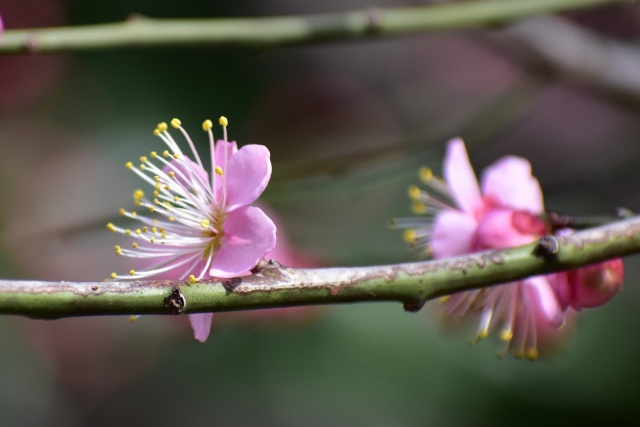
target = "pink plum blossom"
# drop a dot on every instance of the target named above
(460, 216)
(203, 225)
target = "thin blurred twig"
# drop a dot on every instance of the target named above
(273, 285)
(581, 55)
(268, 32)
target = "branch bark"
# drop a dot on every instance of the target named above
(273, 285)
(268, 32)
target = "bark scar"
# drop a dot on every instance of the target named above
(175, 302)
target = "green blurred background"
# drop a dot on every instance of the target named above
(348, 126)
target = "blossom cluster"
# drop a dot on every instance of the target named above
(456, 216)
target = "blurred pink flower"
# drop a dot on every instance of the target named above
(462, 217)
(206, 227)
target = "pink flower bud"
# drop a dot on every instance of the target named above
(591, 286)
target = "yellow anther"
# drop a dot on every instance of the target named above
(206, 125)
(165, 153)
(176, 155)
(153, 154)
(121, 211)
(414, 192)
(171, 219)
(128, 165)
(138, 231)
(162, 127)
(218, 170)
(205, 223)
(172, 174)
(192, 279)
(114, 275)
(176, 123)
(425, 174)
(144, 159)
(111, 227)
(138, 194)
(132, 272)
(127, 232)
(134, 245)
(409, 235)
(223, 121)
(418, 208)
(532, 354)
(506, 335)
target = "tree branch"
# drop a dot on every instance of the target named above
(276, 31)
(273, 285)
(579, 54)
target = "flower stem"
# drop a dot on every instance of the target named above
(559, 220)
(273, 285)
(267, 32)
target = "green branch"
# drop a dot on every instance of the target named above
(275, 31)
(273, 285)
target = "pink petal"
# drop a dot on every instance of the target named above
(201, 324)
(452, 234)
(510, 181)
(222, 149)
(249, 234)
(185, 168)
(496, 231)
(248, 173)
(544, 300)
(460, 177)
(225, 147)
